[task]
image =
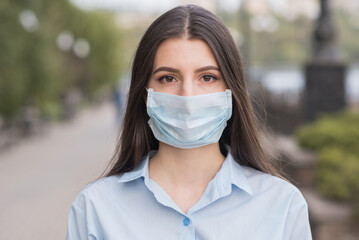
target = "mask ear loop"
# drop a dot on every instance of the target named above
(149, 90)
(228, 98)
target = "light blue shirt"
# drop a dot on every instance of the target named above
(238, 203)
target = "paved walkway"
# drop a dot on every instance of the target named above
(41, 176)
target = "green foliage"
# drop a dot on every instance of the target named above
(34, 71)
(103, 62)
(336, 139)
(12, 81)
(291, 43)
(338, 173)
(339, 130)
(347, 26)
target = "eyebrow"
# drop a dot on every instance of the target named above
(174, 70)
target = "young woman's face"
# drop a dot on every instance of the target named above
(186, 68)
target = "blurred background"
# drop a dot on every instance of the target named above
(64, 77)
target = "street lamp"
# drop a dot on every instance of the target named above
(324, 73)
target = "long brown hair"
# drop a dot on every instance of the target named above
(242, 131)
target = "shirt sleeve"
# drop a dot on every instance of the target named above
(76, 226)
(297, 223)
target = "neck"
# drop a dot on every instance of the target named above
(186, 167)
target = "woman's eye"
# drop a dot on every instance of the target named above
(208, 78)
(167, 79)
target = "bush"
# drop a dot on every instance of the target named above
(338, 130)
(338, 173)
(336, 139)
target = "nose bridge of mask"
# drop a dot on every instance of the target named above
(192, 104)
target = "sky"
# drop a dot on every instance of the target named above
(289, 8)
(146, 5)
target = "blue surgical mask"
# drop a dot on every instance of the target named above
(188, 121)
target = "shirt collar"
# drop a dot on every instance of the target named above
(140, 171)
(230, 173)
(236, 174)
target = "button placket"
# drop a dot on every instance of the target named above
(188, 231)
(186, 221)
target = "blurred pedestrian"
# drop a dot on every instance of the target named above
(190, 163)
(119, 96)
(117, 100)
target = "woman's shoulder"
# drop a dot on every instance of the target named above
(102, 184)
(96, 190)
(272, 186)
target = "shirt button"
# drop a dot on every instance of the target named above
(186, 221)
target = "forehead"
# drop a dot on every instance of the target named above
(180, 52)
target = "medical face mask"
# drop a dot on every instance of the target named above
(188, 121)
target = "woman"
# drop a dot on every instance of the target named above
(189, 164)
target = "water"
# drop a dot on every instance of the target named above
(291, 81)
(352, 85)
